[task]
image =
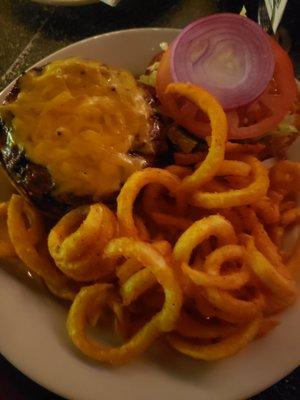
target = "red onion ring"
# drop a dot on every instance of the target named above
(227, 54)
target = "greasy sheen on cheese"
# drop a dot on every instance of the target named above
(80, 119)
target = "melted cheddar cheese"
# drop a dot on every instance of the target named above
(80, 119)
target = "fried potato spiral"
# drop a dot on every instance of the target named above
(28, 236)
(239, 197)
(163, 321)
(6, 248)
(77, 241)
(212, 163)
(190, 253)
(225, 348)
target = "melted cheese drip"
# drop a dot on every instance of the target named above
(79, 119)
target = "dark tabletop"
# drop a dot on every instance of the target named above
(29, 32)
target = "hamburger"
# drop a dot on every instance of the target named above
(73, 131)
(245, 69)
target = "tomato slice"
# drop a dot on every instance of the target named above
(252, 120)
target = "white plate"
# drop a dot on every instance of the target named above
(33, 335)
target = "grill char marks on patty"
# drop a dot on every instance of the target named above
(34, 180)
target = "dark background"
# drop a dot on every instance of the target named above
(29, 32)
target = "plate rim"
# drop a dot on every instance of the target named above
(64, 395)
(88, 39)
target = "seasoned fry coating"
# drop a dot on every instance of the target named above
(285, 176)
(215, 225)
(28, 236)
(225, 348)
(202, 99)
(77, 241)
(131, 190)
(239, 197)
(6, 248)
(191, 253)
(163, 321)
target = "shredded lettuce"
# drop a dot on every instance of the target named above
(243, 12)
(164, 46)
(285, 127)
(149, 78)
